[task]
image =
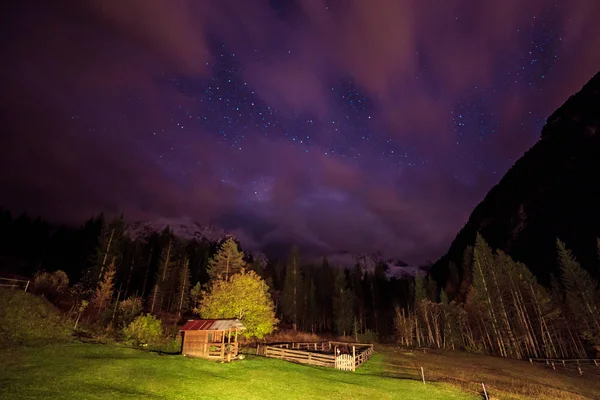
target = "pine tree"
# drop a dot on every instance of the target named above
(343, 304)
(325, 295)
(105, 288)
(483, 262)
(292, 289)
(310, 314)
(466, 280)
(160, 283)
(227, 261)
(359, 296)
(109, 249)
(196, 294)
(183, 292)
(581, 293)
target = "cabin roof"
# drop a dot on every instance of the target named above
(212, 325)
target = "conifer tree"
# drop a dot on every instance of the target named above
(160, 284)
(343, 304)
(581, 293)
(227, 261)
(109, 249)
(310, 312)
(466, 274)
(325, 295)
(483, 262)
(183, 292)
(105, 289)
(359, 296)
(292, 289)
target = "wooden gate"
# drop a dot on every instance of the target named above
(345, 362)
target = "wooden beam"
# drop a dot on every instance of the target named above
(222, 344)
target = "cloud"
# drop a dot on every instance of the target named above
(89, 110)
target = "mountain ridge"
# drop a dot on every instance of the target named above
(548, 193)
(188, 229)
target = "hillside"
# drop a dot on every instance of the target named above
(27, 319)
(551, 192)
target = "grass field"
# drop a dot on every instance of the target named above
(91, 371)
(505, 379)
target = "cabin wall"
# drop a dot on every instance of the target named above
(199, 343)
(195, 344)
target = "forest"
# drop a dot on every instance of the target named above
(494, 305)
(162, 269)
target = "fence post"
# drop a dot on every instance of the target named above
(353, 359)
(26, 286)
(485, 392)
(423, 375)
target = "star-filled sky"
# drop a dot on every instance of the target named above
(359, 125)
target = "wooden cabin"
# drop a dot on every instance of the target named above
(211, 338)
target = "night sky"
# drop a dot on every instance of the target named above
(366, 125)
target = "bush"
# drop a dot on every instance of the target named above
(51, 284)
(144, 330)
(169, 345)
(128, 310)
(368, 337)
(26, 319)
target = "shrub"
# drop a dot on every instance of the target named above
(368, 337)
(128, 310)
(51, 284)
(145, 329)
(170, 345)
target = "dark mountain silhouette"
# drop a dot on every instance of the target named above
(552, 191)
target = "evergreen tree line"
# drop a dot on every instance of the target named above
(501, 309)
(323, 298)
(167, 275)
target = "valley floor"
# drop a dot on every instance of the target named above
(92, 371)
(504, 378)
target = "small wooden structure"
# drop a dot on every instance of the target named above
(211, 338)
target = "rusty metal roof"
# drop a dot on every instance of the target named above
(212, 325)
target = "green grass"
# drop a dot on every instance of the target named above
(26, 319)
(91, 371)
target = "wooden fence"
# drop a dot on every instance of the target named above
(324, 354)
(14, 283)
(573, 364)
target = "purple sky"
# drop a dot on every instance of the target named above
(359, 125)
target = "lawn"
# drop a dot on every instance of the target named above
(93, 371)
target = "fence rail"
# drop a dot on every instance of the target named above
(324, 354)
(578, 364)
(14, 283)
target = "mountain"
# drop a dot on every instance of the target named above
(186, 229)
(395, 267)
(552, 191)
(183, 228)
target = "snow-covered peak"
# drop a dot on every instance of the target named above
(184, 228)
(396, 267)
(187, 229)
